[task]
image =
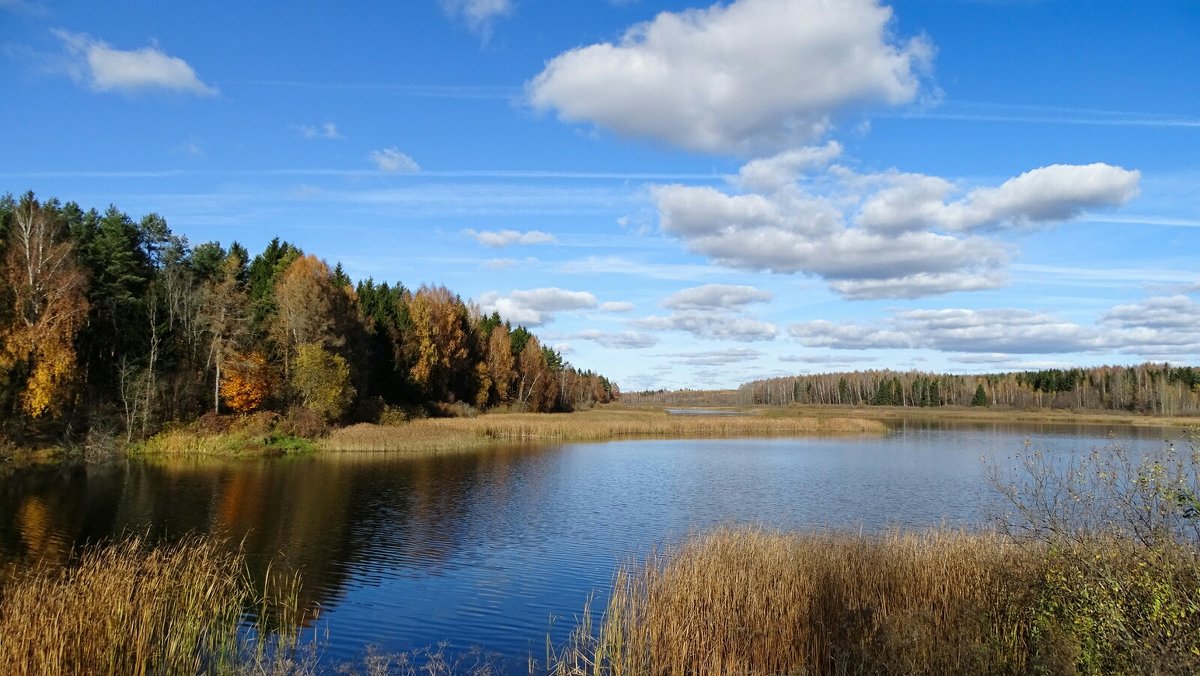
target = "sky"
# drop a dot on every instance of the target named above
(674, 194)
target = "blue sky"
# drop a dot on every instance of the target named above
(674, 194)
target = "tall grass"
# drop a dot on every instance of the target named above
(436, 434)
(752, 602)
(1095, 570)
(129, 608)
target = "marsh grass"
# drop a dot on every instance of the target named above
(746, 601)
(1095, 569)
(440, 434)
(189, 441)
(129, 608)
(125, 608)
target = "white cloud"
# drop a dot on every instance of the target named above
(616, 306)
(500, 263)
(887, 235)
(1009, 331)
(327, 131)
(768, 174)
(625, 340)
(478, 14)
(714, 297)
(393, 161)
(745, 77)
(501, 238)
(104, 68)
(733, 355)
(1158, 326)
(535, 307)
(1167, 325)
(711, 325)
(1054, 193)
(825, 359)
(848, 336)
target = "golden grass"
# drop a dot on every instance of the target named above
(751, 602)
(126, 609)
(745, 601)
(978, 414)
(442, 434)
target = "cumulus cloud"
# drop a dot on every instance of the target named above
(327, 131)
(625, 340)
(711, 326)
(104, 68)
(501, 238)
(1011, 331)
(535, 307)
(1168, 325)
(1157, 326)
(616, 306)
(478, 15)
(747, 77)
(887, 235)
(1058, 192)
(714, 297)
(393, 161)
(769, 174)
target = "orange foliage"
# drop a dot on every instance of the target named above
(247, 383)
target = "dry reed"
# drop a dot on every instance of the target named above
(751, 602)
(440, 434)
(129, 608)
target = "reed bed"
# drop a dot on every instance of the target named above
(442, 434)
(752, 602)
(129, 608)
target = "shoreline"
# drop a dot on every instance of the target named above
(606, 423)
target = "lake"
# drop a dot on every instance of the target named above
(485, 548)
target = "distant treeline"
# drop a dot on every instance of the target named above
(1149, 388)
(110, 325)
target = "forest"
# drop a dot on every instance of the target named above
(1155, 389)
(112, 328)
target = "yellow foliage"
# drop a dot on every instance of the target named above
(322, 379)
(48, 307)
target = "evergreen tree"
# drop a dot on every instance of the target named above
(980, 398)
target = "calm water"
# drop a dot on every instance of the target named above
(483, 549)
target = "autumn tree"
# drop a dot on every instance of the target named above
(305, 300)
(247, 382)
(46, 290)
(321, 379)
(439, 321)
(500, 362)
(226, 316)
(534, 378)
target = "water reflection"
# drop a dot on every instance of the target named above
(484, 548)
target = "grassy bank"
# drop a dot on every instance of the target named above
(979, 414)
(253, 435)
(193, 442)
(437, 434)
(752, 602)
